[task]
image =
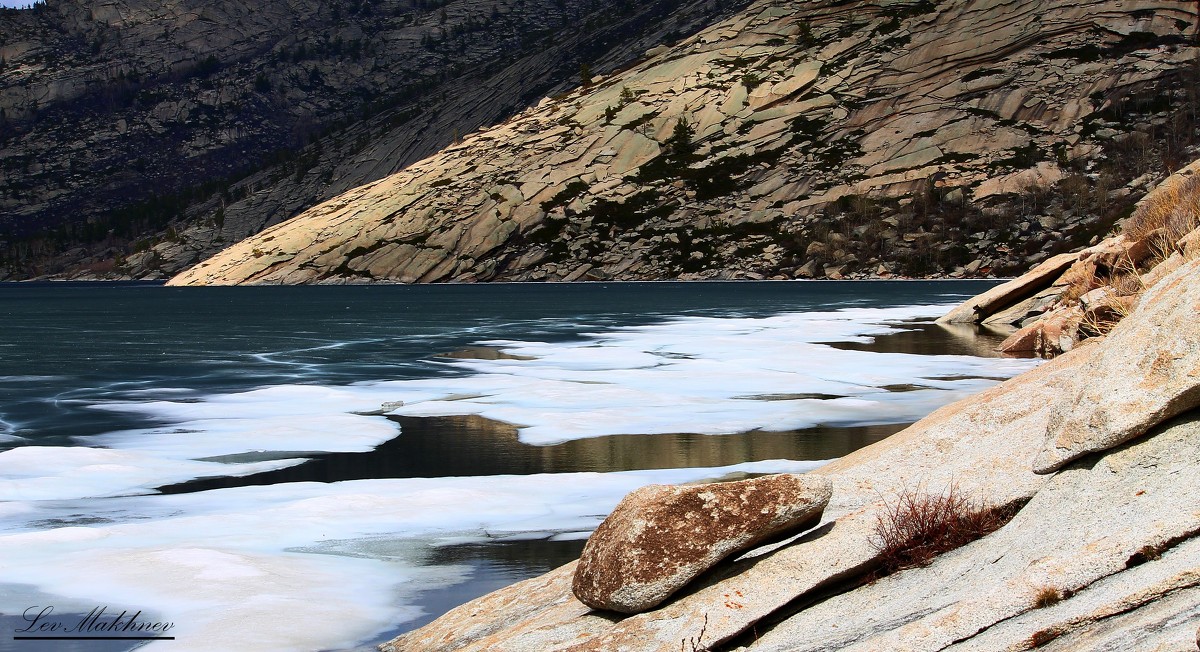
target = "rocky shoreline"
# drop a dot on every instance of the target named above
(1094, 451)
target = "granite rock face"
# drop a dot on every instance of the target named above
(1014, 292)
(659, 538)
(1073, 297)
(1134, 387)
(817, 139)
(1079, 536)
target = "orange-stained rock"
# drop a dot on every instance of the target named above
(661, 537)
(1060, 330)
(1056, 332)
(1026, 340)
(1140, 250)
(1190, 245)
(1082, 274)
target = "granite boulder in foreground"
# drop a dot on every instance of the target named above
(661, 537)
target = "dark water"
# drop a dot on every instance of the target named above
(436, 447)
(64, 346)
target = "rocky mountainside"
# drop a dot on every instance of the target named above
(1084, 470)
(126, 122)
(815, 139)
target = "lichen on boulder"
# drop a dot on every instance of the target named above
(661, 537)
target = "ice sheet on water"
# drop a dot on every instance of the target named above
(57, 472)
(302, 565)
(700, 375)
(693, 375)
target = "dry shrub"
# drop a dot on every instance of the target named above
(1173, 207)
(1081, 279)
(1162, 244)
(1074, 291)
(919, 526)
(1047, 597)
(1099, 322)
(694, 642)
(1148, 552)
(1044, 636)
(1125, 283)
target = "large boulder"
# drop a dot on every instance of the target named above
(983, 444)
(1136, 502)
(661, 537)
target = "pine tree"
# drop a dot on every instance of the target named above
(680, 143)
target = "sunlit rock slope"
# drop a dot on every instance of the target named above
(803, 122)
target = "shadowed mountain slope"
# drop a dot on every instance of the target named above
(137, 138)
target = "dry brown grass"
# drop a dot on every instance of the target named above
(1081, 279)
(1047, 597)
(1173, 207)
(1123, 279)
(1043, 637)
(919, 526)
(1101, 319)
(1127, 283)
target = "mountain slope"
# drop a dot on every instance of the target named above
(127, 124)
(778, 142)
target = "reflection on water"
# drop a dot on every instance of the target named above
(481, 353)
(434, 447)
(74, 348)
(925, 338)
(431, 447)
(493, 566)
